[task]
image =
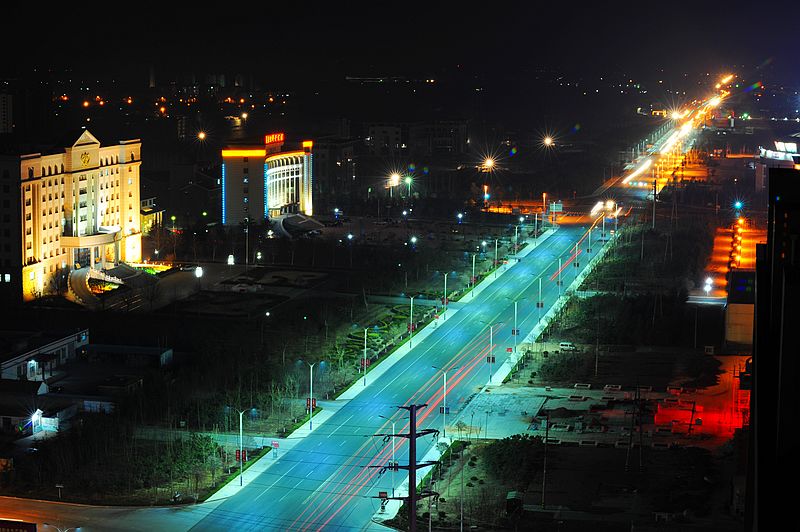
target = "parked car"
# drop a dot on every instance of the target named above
(566, 346)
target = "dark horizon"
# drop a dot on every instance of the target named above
(329, 42)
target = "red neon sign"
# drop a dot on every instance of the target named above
(273, 138)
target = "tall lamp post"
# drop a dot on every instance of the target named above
(444, 301)
(241, 449)
(495, 258)
(411, 323)
(408, 182)
(394, 180)
(491, 351)
(444, 397)
(310, 396)
(174, 239)
(365, 357)
(393, 447)
(472, 281)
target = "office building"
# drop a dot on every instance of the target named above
(263, 181)
(77, 207)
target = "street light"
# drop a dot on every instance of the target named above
(266, 315)
(495, 258)
(548, 141)
(460, 216)
(201, 135)
(394, 180)
(311, 396)
(365, 357)
(408, 182)
(393, 458)
(488, 164)
(444, 300)
(444, 398)
(411, 322)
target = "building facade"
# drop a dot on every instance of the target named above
(75, 209)
(259, 182)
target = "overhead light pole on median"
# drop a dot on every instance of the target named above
(444, 398)
(393, 468)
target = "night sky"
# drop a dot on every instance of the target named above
(304, 42)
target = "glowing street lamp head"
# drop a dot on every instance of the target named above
(413, 240)
(548, 141)
(201, 135)
(244, 116)
(488, 163)
(394, 179)
(676, 115)
(521, 219)
(737, 204)
(460, 215)
(408, 180)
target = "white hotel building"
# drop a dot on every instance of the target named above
(63, 211)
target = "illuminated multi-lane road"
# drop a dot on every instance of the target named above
(324, 481)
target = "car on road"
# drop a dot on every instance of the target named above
(188, 267)
(566, 346)
(241, 287)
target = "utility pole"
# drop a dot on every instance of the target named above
(412, 466)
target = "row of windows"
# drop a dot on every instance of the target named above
(56, 169)
(49, 197)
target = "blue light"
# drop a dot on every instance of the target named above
(266, 203)
(223, 193)
(738, 204)
(486, 196)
